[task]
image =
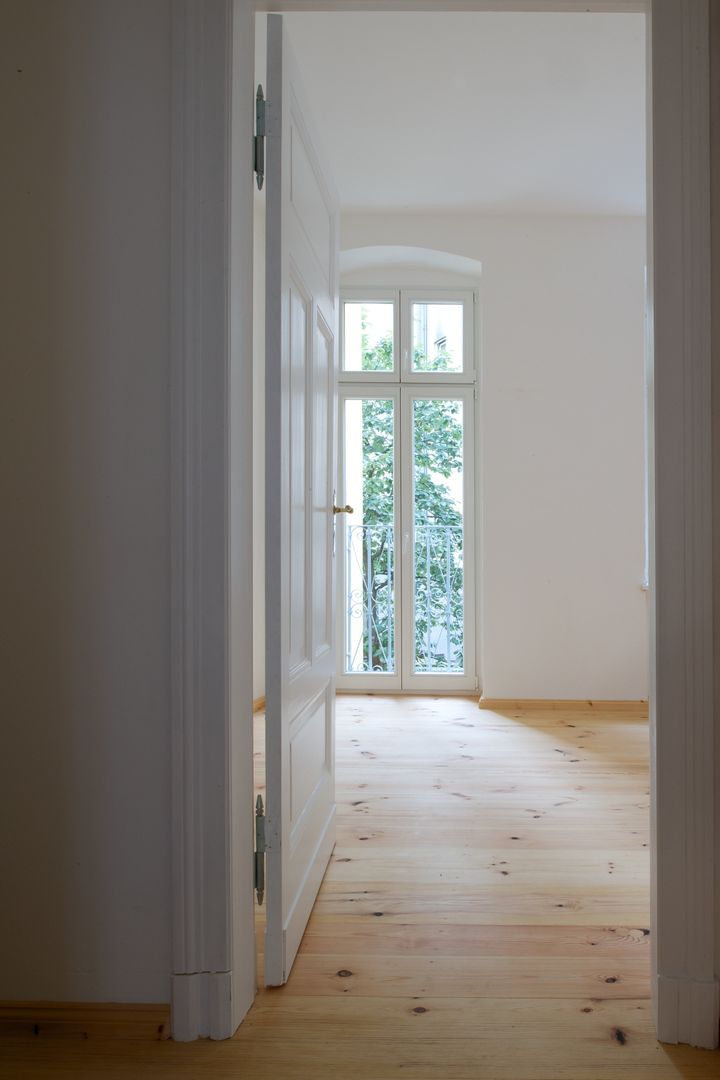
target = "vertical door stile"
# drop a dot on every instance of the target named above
(301, 362)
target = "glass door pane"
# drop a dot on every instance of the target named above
(437, 517)
(370, 564)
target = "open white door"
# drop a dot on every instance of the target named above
(301, 361)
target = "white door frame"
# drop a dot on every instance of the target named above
(213, 974)
(212, 189)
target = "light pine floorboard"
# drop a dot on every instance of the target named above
(484, 915)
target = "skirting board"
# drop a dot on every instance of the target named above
(202, 1006)
(688, 1011)
(380, 692)
(58, 1019)
(504, 704)
(258, 704)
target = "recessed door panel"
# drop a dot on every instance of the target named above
(298, 547)
(323, 391)
(308, 761)
(308, 200)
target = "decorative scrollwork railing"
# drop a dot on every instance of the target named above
(370, 608)
(370, 599)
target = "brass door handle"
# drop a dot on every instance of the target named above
(347, 509)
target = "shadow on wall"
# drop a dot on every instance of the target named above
(85, 904)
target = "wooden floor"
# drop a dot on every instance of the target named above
(484, 915)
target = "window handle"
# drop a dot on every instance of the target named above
(347, 509)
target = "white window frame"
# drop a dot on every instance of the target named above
(375, 681)
(371, 295)
(405, 386)
(466, 297)
(434, 681)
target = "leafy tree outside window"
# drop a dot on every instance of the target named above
(437, 456)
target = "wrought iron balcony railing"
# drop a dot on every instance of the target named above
(370, 599)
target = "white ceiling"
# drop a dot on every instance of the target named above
(492, 113)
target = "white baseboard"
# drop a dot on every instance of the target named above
(201, 1006)
(688, 1011)
(220, 1024)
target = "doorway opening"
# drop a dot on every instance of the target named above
(549, 562)
(680, 303)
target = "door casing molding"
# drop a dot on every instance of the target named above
(685, 909)
(213, 949)
(213, 972)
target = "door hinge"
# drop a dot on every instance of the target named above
(260, 137)
(260, 849)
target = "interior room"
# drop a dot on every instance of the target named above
(492, 743)
(542, 212)
(417, 295)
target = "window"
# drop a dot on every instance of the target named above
(407, 573)
(408, 335)
(437, 337)
(369, 335)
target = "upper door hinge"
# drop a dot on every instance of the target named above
(260, 137)
(260, 849)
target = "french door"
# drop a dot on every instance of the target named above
(406, 541)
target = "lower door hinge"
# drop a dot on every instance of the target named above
(260, 849)
(260, 137)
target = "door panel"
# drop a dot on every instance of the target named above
(323, 449)
(299, 328)
(301, 372)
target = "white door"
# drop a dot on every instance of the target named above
(301, 358)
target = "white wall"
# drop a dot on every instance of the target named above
(561, 445)
(85, 897)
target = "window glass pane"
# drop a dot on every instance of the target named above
(437, 337)
(438, 579)
(369, 601)
(368, 335)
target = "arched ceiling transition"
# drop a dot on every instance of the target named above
(402, 258)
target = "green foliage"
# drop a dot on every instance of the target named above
(437, 433)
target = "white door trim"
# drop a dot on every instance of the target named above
(213, 978)
(684, 781)
(682, 720)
